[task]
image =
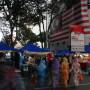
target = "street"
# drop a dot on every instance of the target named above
(84, 85)
(81, 87)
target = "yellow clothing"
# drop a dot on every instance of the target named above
(65, 72)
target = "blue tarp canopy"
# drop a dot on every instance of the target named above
(31, 48)
(87, 49)
(63, 52)
(45, 49)
(5, 47)
(67, 52)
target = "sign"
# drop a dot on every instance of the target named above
(77, 41)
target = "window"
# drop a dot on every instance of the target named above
(63, 42)
(70, 3)
(89, 4)
(52, 44)
(57, 43)
(60, 21)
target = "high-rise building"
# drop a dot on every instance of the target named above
(76, 12)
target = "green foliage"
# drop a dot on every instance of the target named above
(27, 35)
(19, 13)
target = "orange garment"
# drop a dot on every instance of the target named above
(65, 73)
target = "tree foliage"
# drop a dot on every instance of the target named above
(25, 35)
(20, 13)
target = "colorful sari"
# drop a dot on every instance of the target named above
(65, 72)
(55, 73)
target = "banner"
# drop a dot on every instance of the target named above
(77, 41)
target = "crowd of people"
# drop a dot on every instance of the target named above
(9, 78)
(58, 72)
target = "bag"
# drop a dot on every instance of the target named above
(80, 77)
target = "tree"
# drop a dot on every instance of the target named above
(43, 39)
(40, 6)
(20, 13)
(11, 10)
(55, 8)
(25, 35)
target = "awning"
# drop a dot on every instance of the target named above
(5, 47)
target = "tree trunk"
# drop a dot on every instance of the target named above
(11, 37)
(40, 35)
(45, 42)
(47, 33)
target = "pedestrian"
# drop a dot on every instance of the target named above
(22, 60)
(41, 69)
(49, 59)
(65, 72)
(70, 65)
(34, 78)
(9, 78)
(16, 59)
(75, 72)
(55, 72)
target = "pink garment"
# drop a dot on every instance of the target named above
(76, 71)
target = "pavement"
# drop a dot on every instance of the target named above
(84, 85)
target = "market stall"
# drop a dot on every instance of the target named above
(33, 54)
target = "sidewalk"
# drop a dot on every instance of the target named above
(84, 87)
(84, 83)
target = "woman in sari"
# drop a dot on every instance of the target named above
(75, 72)
(65, 72)
(55, 72)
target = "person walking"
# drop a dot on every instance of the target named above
(55, 72)
(41, 69)
(9, 78)
(65, 72)
(75, 72)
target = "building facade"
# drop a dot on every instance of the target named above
(77, 12)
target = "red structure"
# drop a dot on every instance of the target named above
(77, 14)
(78, 29)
